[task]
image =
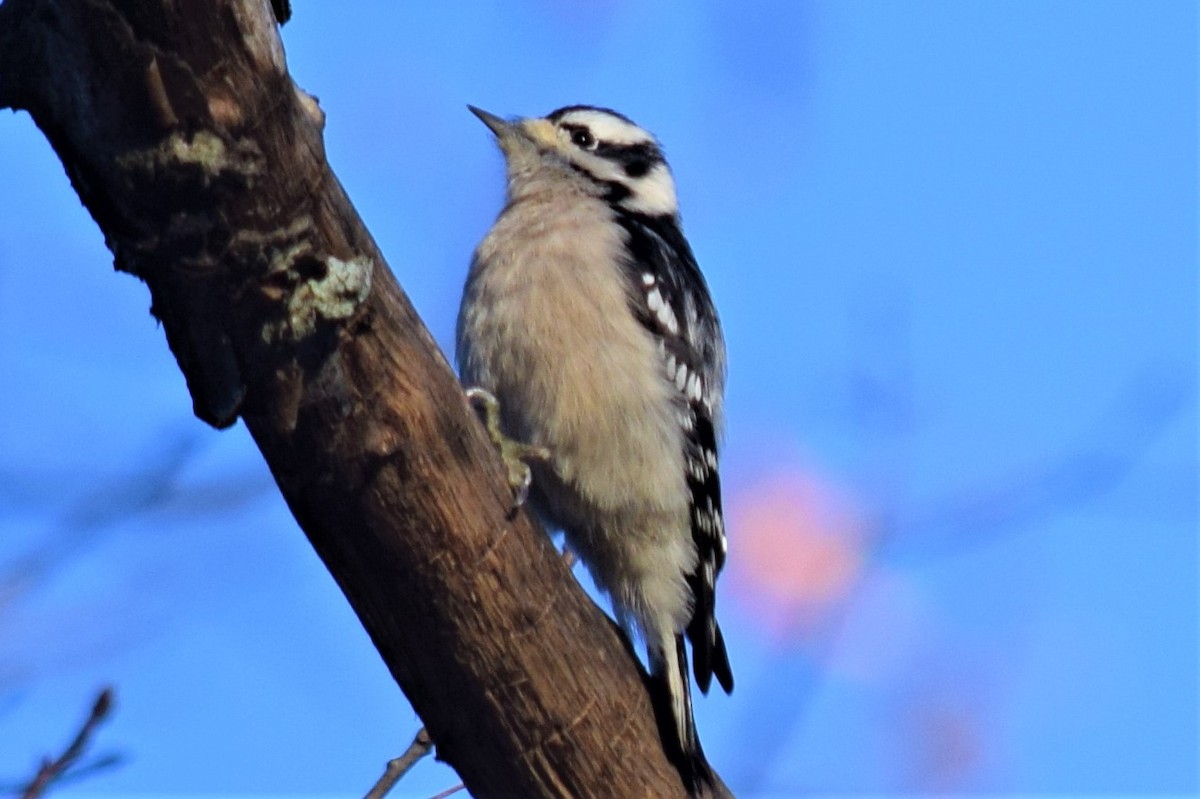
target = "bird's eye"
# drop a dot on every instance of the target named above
(583, 138)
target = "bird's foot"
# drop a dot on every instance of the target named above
(515, 454)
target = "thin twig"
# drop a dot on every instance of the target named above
(398, 767)
(52, 770)
(449, 791)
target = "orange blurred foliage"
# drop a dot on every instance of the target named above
(797, 550)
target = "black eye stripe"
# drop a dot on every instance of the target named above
(637, 159)
(642, 151)
(637, 169)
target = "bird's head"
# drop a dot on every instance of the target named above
(594, 147)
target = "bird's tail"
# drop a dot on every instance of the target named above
(672, 696)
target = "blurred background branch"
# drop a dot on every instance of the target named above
(70, 765)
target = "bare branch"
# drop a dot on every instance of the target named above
(398, 767)
(52, 770)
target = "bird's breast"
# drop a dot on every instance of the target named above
(547, 325)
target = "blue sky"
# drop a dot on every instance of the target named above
(954, 246)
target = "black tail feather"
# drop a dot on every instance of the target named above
(720, 662)
(708, 645)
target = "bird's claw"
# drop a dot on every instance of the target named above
(515, 454)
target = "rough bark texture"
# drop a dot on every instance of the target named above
(203, 165)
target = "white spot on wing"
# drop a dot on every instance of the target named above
(654, 300)
(692, 319)
(681, 376)
(666, 318)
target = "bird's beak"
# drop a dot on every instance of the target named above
(497, 125)
(519, 134)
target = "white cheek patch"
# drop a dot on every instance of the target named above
(652, 194)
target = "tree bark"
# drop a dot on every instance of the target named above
(203, 165)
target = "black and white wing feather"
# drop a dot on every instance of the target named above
(672, 301)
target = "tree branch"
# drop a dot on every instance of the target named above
(53, 770)
(399, 766)
(204, 166)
